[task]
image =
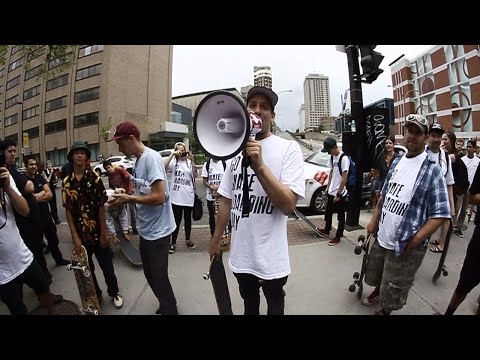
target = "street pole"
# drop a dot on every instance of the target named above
(20, 134)
(354, 142)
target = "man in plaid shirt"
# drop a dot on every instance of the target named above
(413, 205)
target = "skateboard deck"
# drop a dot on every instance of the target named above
(441, 268)
(216, 274)
(130, 251)
(363, 246)
(84, 279)
(65, 307)
(316, 230)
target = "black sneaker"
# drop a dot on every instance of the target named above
(134, 231)
(190, 244)
(457, 231)
(171, 250)
(62, 262)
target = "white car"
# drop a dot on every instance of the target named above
(165, 153)
(316, 172)
(117, 160)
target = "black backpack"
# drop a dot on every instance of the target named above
(223, 162)
(460, 175)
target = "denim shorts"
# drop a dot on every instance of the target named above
(394, 274)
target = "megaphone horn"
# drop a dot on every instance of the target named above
(222, 125)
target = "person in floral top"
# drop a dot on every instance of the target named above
(84, 197)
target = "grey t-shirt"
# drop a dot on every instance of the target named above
(154, 222)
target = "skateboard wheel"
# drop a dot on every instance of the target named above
(86, 272)
(357, 250)
(356, 275)
(445, 273)
(95, 312)
(361, 238)
(69, 267)
(206, 276)
(351, 288)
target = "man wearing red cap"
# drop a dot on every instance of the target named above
(154, 213)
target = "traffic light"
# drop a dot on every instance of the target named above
(370, 61)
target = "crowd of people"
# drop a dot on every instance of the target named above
(413, 194)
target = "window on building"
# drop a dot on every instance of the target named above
(87, 95)
(89, 50)
(13, 119)
(33, 72)
(57, 82)
(85, 120)
(12, 101)
(58, 157)
(56, 126)
(33, 133)
(12, 83)
(33, 91)
(16, 48)
(94, 150)
(15, 64)
(56, 103)
(89, 71)
(35, 53)
(2, 72)
(13, 137)
(52, 64)
(31, 112)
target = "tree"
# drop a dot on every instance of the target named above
(57, 58)
(105, 130)
(194, 146)
(321, 128)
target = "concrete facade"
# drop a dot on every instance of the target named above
(119, 82)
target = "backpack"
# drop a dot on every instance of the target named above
(223, 162)
(352, 171)
(460, 175)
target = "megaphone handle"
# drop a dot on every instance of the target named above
(246, 196)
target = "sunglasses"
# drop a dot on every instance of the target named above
(417, 118)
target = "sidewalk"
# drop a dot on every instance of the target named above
(318, 285)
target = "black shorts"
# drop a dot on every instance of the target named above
(470, 274)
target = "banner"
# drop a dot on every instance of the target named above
(377, 129)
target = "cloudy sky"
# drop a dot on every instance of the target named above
(198, 68)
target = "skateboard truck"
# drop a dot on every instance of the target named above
(84, 269)
(363, 246)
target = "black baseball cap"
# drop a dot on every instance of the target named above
(437, 128)
(261, 90)
(328, 143)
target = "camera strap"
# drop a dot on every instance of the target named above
(4, 207)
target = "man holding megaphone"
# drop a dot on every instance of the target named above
(259, 249)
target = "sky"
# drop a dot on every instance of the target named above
(198, 68)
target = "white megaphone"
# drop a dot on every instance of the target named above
(222, 125)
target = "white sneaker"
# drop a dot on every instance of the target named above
(118, 301)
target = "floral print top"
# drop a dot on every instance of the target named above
(84, 198)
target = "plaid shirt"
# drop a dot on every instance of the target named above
(429, 200)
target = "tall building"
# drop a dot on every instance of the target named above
(106, 85)
(301, 118)
(262, 76)
(316, 91)
(244, 91)
(443, 84)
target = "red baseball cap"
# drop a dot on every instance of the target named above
(124, 129)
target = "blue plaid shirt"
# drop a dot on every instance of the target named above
(429, 200)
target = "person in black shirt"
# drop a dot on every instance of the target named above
(470, 273)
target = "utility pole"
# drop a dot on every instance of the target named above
(354, 142)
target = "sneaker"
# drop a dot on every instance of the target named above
(171, 250)
(62, 262)
(458, 232)
(135, 231)
(118, 301)
(333, 242)
(325, 232)
(190, 245)
(372, 299)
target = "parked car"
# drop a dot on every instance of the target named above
(165, 153)
(316, 172)
(117, 160)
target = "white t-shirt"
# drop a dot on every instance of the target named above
(259, 242)
(15, 257)
(214, 175)
(441, 159)
(181, 185)
(472, 165)
(336, 176)
(398, 198)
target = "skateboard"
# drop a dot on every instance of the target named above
(363, 245)
(316, 230)
(216, 273)
(65, 307)
(86, 287)
(130, 251)
(441, 268)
